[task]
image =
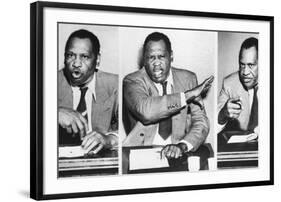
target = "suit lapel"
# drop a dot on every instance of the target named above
(178, 125)
(244, 116)
(178, 85)
(101, 93)
(99, 103)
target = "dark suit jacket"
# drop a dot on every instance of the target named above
(143, 108)
(233, 88)
(104, 106)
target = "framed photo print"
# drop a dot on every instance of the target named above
(131, 100)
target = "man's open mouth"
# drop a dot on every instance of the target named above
(158, 74)
(76, 74)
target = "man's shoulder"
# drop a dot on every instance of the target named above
(232, 79)
(183, 72)
(184, 75)
(60, 74)
(62, 81)
(139, 74)
(106, 75)
(107, 80)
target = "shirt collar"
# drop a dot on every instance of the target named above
(91, 86)
(169, 80)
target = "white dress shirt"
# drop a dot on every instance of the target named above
(251, 97)
(89, 96)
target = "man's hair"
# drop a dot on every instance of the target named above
(157, 36)
(85, 34)
(249, 43)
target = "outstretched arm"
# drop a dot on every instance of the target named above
(147, 108)
(150, 109)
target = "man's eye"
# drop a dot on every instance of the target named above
(69, 55)
(251, 66)
(85, 57)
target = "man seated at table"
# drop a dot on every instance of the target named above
(162, 104)
(87, 97)
(238, 99)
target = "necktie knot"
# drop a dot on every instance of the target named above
(256, 89)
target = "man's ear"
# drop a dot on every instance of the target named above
(172, 56)
(98, 60)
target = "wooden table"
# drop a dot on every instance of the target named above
(205, 151)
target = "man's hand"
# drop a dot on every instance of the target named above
(203, 87)
(256, 130)
(198, 90)
(73, 121)
(173, 150)
(96, 141)
(232, 108)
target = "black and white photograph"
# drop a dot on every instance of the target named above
(87, 100)
(238, 84)
(168, 100)
(138, 100)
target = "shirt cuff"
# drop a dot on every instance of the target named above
(183, 102)
(189, 146)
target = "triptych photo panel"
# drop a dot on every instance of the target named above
(131, 100)
(140, 100)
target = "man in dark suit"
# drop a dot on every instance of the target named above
(87, 97)
(162, 104)
(238, 99)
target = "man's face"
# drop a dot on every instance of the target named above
(80, 61)
(157, 61)
(248, 67)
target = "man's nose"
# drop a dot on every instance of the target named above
(246, 70)
(157, 62)
(77, 62)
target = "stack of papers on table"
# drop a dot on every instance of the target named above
(71, 151)
(146, 159)
(242, 138)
